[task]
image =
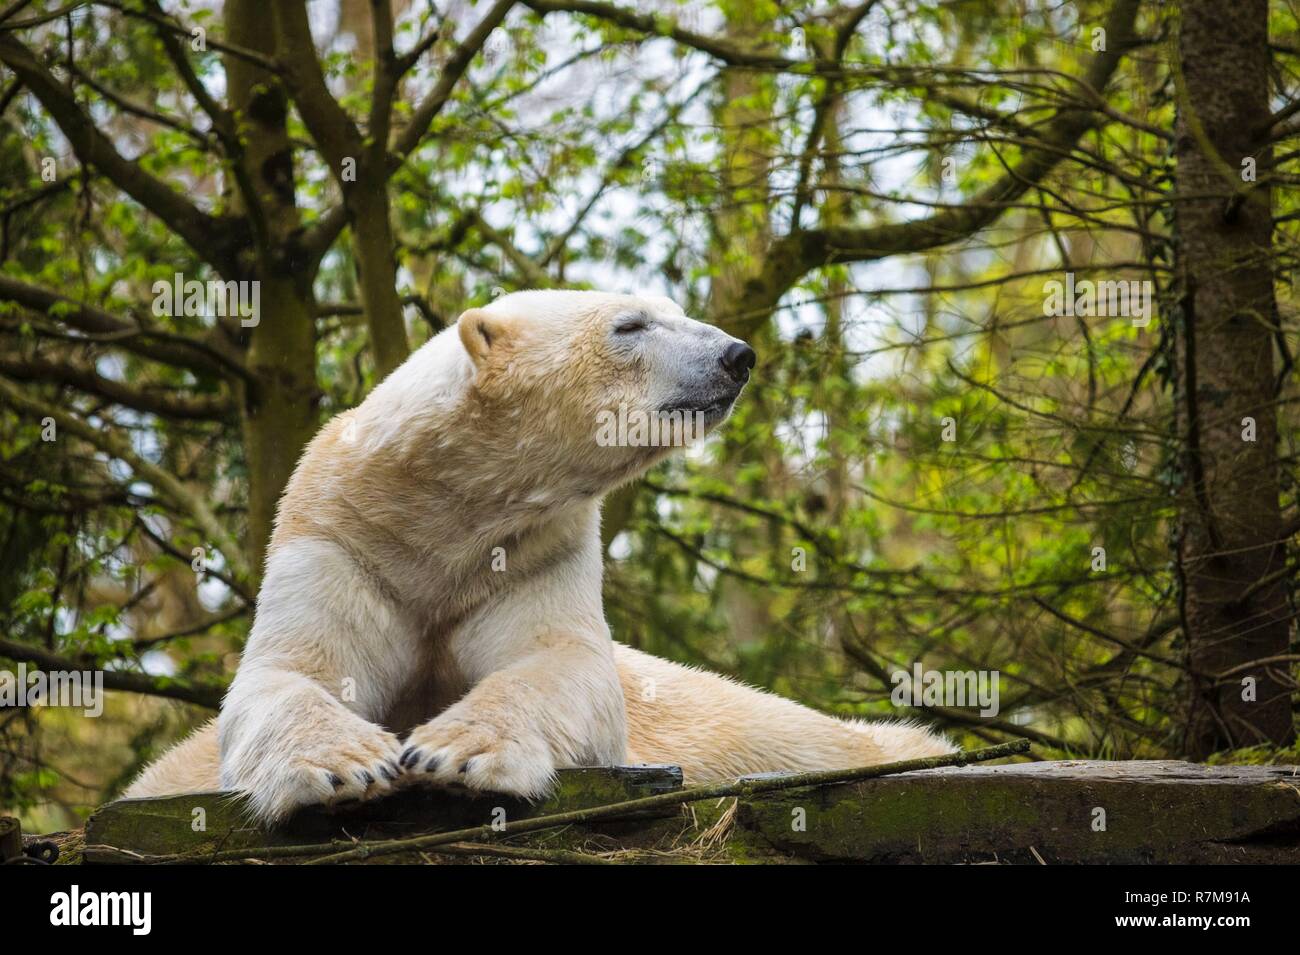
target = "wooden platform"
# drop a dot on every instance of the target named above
(1052, 813)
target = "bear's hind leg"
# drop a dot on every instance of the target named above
(191, 766)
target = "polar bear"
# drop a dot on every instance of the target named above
(431, 607)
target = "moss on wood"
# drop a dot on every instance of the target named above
(1062, 812)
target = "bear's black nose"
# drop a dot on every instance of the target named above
(737, 360)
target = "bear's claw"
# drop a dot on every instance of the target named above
(475, 755)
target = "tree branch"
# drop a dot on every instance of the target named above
(318, 238)
(178, 350)
(801, 251)
(335, 133)
(666, 26)
(173, 405)
(457, 64)
(208, 235)
(116, 679)
(167, 484)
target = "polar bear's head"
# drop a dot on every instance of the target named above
(608, 383)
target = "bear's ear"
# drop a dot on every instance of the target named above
(480, 332)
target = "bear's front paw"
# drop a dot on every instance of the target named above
(477, 755)
(330, 769)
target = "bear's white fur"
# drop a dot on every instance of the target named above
(431, 607)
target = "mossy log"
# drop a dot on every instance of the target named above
(1051, 812)
(214, 821)
(1057, 812)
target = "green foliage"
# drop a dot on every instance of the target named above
(830, 535)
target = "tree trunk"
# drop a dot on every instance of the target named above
(359, 165)
(372, 238)
(1234, 603)
(741, 230)
(279, 407)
